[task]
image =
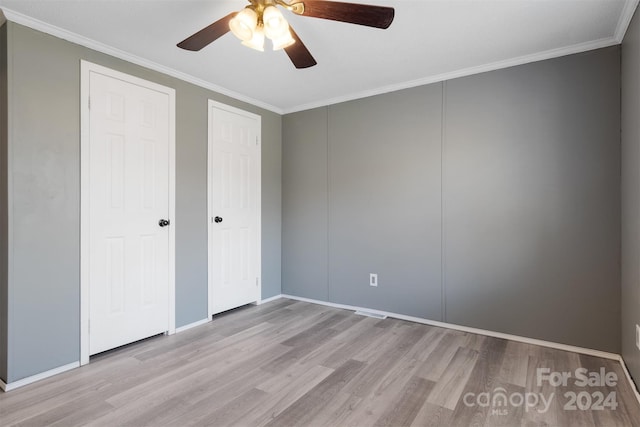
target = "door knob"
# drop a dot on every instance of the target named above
(164, 222)
(217, 219)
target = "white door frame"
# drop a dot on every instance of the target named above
(85, 69)
(210, 213)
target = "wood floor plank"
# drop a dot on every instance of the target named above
(233, 410)
(75, 413)
(379, 365)
(541, 414)
(343, 406)
(303, 410)
(514, 365)
(482, 379)
(308, 336)
(345, 344)
(247, 315)
(52, 396)
(204, 402)
(156, 417)
(567, 362)
(178, 343)
(378, 343)
(474, 342)
(431, 415)
(295, 373)
(403, 409)
(448, 390)
(232, 379)
(371, 398)
(303, 348)
(98, 386)
(141, 405)
(366, 409)
(268, 315)
(440, 357)
(282, 391)
(434, 336)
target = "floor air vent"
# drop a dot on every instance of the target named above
(370, 314)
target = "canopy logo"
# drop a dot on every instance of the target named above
(591, 399)
(500, 401)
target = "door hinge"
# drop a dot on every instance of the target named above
(89, 103)
(89, 326)
(257, 281)
(257, 141)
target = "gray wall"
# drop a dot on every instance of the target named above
(304, 210)
(44, 83)
(271, 201)
(384, 202)
(490, 201)
(532, 200)
(631, 196)
(4, 309)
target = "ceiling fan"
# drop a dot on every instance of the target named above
(262, 18)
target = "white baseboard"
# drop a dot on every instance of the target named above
(38, 377)
(273, 298)
(526, 340)
(192, 325)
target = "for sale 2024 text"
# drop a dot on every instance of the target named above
(588, 399)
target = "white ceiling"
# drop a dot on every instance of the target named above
(429, 40)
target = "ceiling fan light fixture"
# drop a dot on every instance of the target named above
(274, 23)
(262, 18)
(257, 41)
(283, 41)
(244, 24)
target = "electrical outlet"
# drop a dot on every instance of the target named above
(373, 279)
(638, 336)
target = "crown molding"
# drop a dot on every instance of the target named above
(72, 37)
(521, 60)
(628, 10)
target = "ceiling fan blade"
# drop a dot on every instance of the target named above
(298, 53)
(208, 34)
(361, 14)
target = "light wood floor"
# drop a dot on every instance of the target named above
(289, 363)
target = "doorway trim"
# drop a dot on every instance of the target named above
(210, 105)
(86, 68)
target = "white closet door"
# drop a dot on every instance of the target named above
(234, 150)
(129, 195)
